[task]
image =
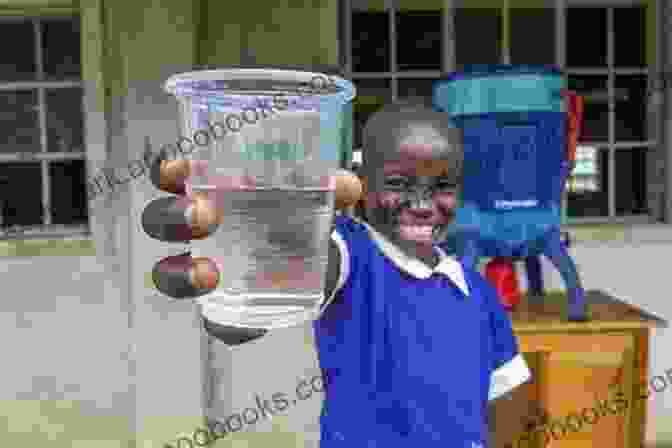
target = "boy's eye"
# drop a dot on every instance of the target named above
(396, 182)
(446, 186)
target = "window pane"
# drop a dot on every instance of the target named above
(630, 36)
(631, 185)
(587, 187)
(372, 94)
(68, 192)
(586, 37)
(593, 88)
(478, 34)
(416, 87)
(17, 62)
(65, 120)
(631, 114)
(20, 130)
(419, 42)
(370, 41)
(21, 194)
(61, 44)
(537, 22)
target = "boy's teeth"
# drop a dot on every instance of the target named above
(418, 230)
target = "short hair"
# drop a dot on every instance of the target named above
(403, 119)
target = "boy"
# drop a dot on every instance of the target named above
(419, 342)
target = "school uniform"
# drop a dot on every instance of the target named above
(413, 354)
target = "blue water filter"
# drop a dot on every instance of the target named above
(514, 123)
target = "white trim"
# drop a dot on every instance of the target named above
(453, 269)
(447, 265)
(508, 376)
(344, 272)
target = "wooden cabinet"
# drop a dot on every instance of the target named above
(583, 373)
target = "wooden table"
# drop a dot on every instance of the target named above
(575, 366)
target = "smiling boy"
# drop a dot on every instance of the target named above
(421, 344)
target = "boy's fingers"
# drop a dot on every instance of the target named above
(181, 276)
(348, 189)
(179, 219)
(171, 175)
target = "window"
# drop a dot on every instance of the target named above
(396, 51)
(606, 65)
(478, 34)
(393, 53)
(42, 155)
(538, 21)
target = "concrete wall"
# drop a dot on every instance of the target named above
(64, 371)
(66, 381)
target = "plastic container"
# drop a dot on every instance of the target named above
(514, 125)
(271, 139)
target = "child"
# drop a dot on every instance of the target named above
(420, 343)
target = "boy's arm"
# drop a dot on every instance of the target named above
(509, 369)
(508, 414)
(333, 270)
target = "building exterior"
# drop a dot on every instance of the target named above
(100, 358)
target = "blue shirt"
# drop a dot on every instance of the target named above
(413, 354)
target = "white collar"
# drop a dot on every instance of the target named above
(447, 265)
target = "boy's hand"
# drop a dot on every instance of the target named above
(182, 218)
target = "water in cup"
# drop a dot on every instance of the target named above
(276, 227)
(272, 243)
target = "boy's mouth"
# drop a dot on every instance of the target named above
(418, 233)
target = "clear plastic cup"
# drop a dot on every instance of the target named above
(271, 140)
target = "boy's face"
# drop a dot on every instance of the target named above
(412, 197)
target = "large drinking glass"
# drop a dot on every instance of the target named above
(271, 140)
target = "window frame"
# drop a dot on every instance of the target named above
(560, 8)
(610, 145)
(46, 229)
